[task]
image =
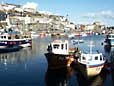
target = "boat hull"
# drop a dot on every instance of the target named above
(94, 70)
(57, 61)
(15, 42)
(89, 71)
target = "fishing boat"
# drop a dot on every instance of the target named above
(10, 40)
(109, 41)
(77, 41)
(60, 54)
(90, 64)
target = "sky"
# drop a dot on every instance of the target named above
(77, 11)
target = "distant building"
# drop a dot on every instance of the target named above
(89, 27)
(2, 13)
(2, 16)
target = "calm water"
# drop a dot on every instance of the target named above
(29, 67)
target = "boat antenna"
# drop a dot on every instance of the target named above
(97, 51)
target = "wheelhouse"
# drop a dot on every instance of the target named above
(91, 58)
(59, 47)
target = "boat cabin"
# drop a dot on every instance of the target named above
(110, 39)
(59, 47)
(7, 36)
(91, 58)
(110, 36)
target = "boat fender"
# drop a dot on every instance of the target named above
(19, 42)
(11, 42)
(14, 42)
(5, 42)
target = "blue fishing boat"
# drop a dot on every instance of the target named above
(10, 40)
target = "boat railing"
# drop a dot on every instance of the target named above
(97, 51)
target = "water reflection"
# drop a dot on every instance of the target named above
(15, 57)
(56, 77)
(98, 80)
(61, 77)
(113, 76)
(112, 63)
(28, 67)
(71, 77)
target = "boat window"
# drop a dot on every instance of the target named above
(56, 46)
(83, 58)
(113, 36)
(1, 36)
(109, 36)
(96, 57)
(66, 46)
(62, 46)
(4, 36)
(9, 37)
(16, 36)
(103, 58)
(100, 57)
(79, 59)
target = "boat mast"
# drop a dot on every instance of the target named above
(91, 46)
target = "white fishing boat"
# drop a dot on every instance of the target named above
(77, 41)
(91, 64)
(59, 53)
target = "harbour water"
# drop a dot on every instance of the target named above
(29, 67)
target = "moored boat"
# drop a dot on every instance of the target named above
(8, 40)
(109, 41)
(77, 41)
(91, 64)
(59, 54)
